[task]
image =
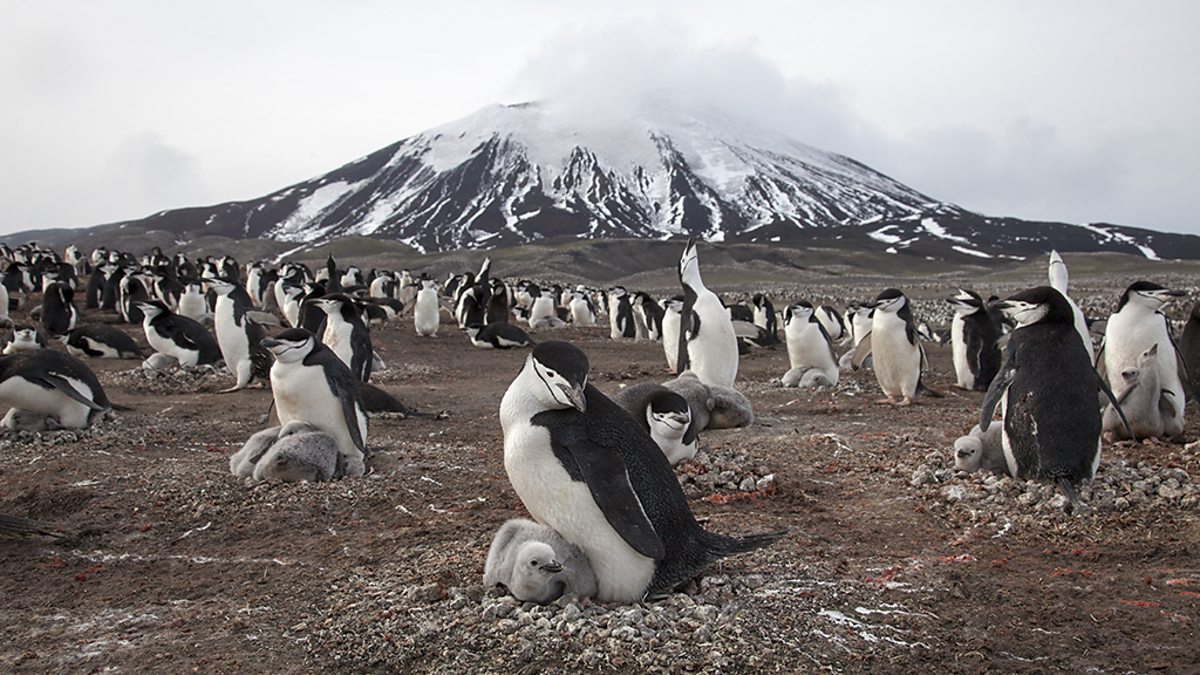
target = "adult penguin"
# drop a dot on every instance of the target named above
(178, 336)
(584, 468)
(239, 337)
(1048, 387)
(1189, 349)
(895, 348)
(810, 349)
(311, 384)
(58, 311)
(347, 335)
(707, 344)
(1137, 325)
(1059, 279)
(974, 332)
(54, 384)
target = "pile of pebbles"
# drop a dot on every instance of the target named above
(378, 624)
(202, 379)
(1119, 486)
(718, 470)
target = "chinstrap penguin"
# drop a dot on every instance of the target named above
(707, 343)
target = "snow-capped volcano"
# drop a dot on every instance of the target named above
(512, 174)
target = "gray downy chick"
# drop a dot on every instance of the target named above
(302, 453)
(537, 565)
(1146, 404)
(980, 450)
(241, 464)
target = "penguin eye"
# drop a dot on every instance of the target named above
(550, 373)
(533, 563)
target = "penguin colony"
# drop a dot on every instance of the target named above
(595, 472)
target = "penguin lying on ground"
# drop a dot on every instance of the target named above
(583, 467)
(665, 415)
(54, 384)
(712, 407)
(537, 565)
(101, 341)
(28, 420)
(498, 336)
(300, 453)
(23, 337)
(178, 336)
(980, 451)
(1147, 406)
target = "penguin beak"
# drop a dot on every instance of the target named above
(575, 396)
(270, 343)
(1174, 293)
(553, 567)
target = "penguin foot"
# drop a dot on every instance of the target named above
(236, 387)
(905, 402)
(887, 401)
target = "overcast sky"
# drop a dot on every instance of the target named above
(1078, 111)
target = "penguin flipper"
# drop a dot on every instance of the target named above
(1165, 407)
(71, 392)
(1000, 384)
(1117, 406)
(607, 479)
(861, 352)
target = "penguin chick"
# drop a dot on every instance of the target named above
(301, 453)
(806, 377)
(980, 450)
(1146, 404)
(696, 393)
(663, 414)
(537, 565)
(160, 361)
(242, 462)
(28, 420)
(730, 409)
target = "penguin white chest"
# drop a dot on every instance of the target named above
(897, 361)
(302, 393)
(337, 338)
(17, 392)
(958, 347)
(807, 347)
(425, 313)
(235, 347)
(713, 353)
(186, 357)
(567, 506)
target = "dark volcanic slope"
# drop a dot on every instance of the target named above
(510, 175)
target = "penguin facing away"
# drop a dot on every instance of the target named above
(311, 384)
(707, 343)
(1189, 349)
(672, 313)
(1138, 324)
(1047, 389)
(426, 310)
(537, 565)
(583, 467)
(665, 415)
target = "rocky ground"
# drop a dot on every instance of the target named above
(893, 562)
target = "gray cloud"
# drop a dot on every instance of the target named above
(153, 171)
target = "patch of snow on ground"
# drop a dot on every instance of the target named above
(882, 235)
(968, 251)
(933, 227)
(296, 227)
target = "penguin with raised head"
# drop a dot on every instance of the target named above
(101, 341)
(54, 384)
(1059, 280)
(311, 384)
(331, 277)
(537, 565)
(1047, 391)
(178, 336)
(810, 350)
(707, 343)
(427, 312)
(1136, 326)
(665, 415)
(498, 336)
(894, 347)
(58, 311)
(22, 338)
(974, 332)
(620, 314)
(347, 335)
(239, 337)
(584, 468)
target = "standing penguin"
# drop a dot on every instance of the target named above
(238, 336)
(311, 384)
(584, 468)
(427, 313)
(178, 336)
(1047, 389)
(582, 312)
(58, 312)
(707, 344)
(1137, 325)
(54, 384)
(810, 350)
(895, 348)
(347, 335)
(764, 316)
(648, 314)
(973, 334)
(192, 303)
(1189, 349)
(620, 314)
(672, 316)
